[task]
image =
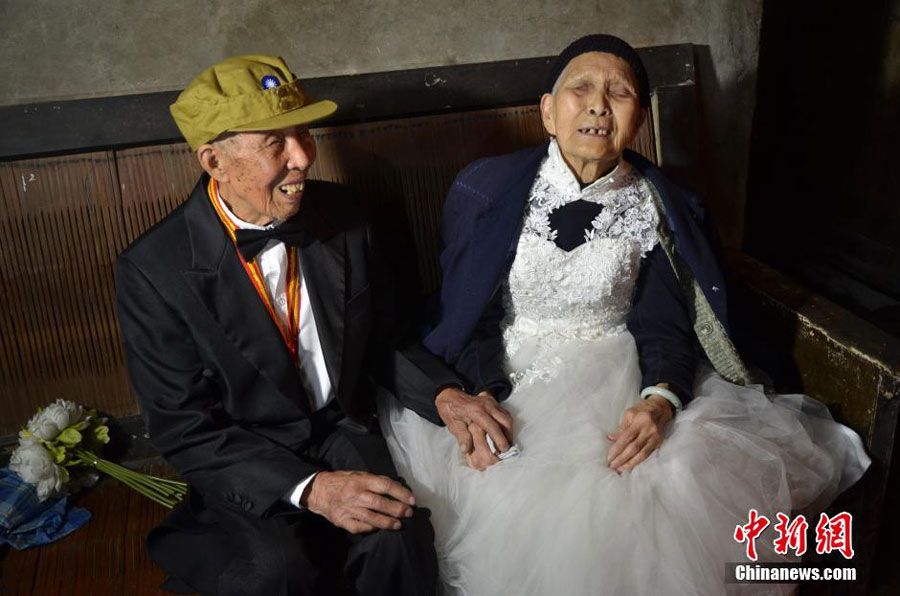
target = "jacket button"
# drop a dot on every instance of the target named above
(706, 329)
(208, 373)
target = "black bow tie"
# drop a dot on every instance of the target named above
(250, 242)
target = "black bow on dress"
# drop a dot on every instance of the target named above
(571, 221)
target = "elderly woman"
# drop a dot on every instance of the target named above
(580, 289)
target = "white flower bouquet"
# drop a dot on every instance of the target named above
(65, 435)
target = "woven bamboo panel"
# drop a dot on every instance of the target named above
(63, 220)
(152, 182)
(60, 232)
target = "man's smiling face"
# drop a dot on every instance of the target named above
(262, 175)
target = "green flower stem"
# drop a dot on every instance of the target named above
(165, 492)
(165, 502)
(142, 484)
(146, 489)
(143, 488)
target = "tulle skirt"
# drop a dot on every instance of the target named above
(558, 521)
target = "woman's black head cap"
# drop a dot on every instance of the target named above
(610, 44)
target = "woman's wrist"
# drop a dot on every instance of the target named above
(663, 391)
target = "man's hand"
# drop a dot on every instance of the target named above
(459, 410)
(358, 501)
(639, 434)
(480, 457)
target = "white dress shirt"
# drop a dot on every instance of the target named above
(273, 260)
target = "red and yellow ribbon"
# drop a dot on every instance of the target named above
(290, 331)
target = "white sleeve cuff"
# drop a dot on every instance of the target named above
(298, 491)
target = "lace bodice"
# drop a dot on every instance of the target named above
(551, 295)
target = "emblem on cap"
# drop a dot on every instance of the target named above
(270, 82)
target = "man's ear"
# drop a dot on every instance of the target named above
(547, 113)
(210, 158)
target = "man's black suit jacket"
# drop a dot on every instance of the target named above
(222, 399)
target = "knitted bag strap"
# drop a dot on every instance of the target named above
(716, 344)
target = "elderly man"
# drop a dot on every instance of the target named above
(253, 316)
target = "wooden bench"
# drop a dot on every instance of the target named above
(399, 140)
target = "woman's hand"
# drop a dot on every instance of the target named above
(640, 433)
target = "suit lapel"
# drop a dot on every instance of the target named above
(322, 262)
(220, 283)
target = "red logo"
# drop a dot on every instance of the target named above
(749, 532)
(791, 534)
(835, 534)
(832, 534)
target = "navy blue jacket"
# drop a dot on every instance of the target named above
(480, 230)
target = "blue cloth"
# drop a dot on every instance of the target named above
(25, 521)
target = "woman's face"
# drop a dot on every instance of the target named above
(594, 113)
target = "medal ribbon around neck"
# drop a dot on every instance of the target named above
(290, 332)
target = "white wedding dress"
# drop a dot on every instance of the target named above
(557, 520)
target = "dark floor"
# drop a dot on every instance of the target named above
(104, 557)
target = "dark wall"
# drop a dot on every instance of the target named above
(824, 175)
